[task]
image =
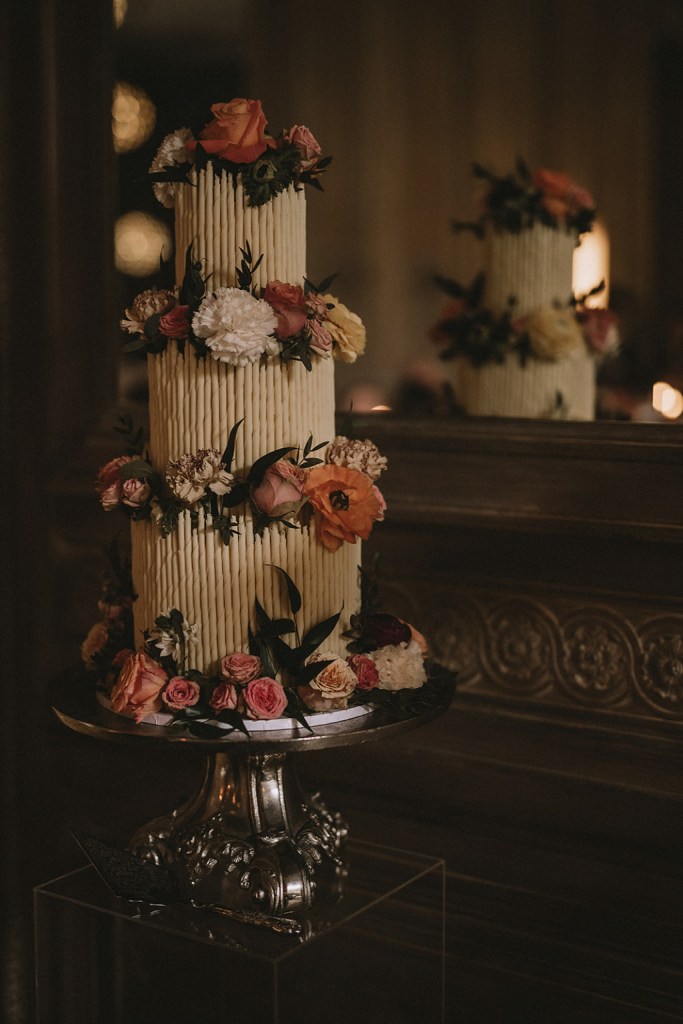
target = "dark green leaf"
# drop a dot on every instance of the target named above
(137, 469)
(292, 592)
(229, 452)
(310, 671)
(315, 636)
(257, 471)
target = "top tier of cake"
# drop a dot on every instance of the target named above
(528, 269)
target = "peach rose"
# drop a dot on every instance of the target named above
(237, 132)
(281, 490)
(307, 145)
(239, 667)
(137, 691)
(224, 698)
(331, 688)
(265, 698)
(344, 502)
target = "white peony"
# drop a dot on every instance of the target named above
(171, 153)
(237, 327)
(400, 666)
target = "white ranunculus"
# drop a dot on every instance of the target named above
(171, 153)
(400, 666)
(237, 327)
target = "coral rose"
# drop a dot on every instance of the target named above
(181, 693)
(265, 698)
(281, 490)
(240, 668)
(224, 698)
(346, 328)
(344, 503)
(237, 132)
(137, 691)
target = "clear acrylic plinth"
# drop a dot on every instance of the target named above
(372, 950)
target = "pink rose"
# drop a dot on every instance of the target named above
(94, 643)
(175, 323)
(600, 329)
(237, 132)
(224, 697)
(321, 339)
(367, 676)
(135, 492)
(240, 668)
(281, 490)
(109, 484)
(307, 145)
(136, 692)
(316, 306)
(120, 657)
(289, 303)
(181, 693)
(265, 698)
(379, 518)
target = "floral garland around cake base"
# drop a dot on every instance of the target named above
(388, 666)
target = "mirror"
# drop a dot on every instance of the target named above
(405, 97)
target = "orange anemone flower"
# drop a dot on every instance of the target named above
(344, 502)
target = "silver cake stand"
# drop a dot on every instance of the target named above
(250, 839)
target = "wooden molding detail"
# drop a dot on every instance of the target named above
(551, 649)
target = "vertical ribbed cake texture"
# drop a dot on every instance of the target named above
(195, 402)
(532, 266)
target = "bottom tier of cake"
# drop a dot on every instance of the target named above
(563, 389)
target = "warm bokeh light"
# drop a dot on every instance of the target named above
(139, 241)
(667, 400)
(381, 408)
(133, 116)
(120, 8)
(591, 265)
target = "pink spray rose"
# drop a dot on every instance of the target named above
(181, 693)
(289, 304)
(307, 145)
(265, 699)
(367, 676)
(137, 690)
(224, 697)
(321, 339)
(379, 518)
(281, 490)
(109, 484)
(175, 323)
(240, 668)
(135, 492)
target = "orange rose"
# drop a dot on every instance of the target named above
(137, 691)
(561, 195)
(344, 502)
(237, 132)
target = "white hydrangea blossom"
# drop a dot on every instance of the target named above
(400, 666)
(171, 153)
(237, 327)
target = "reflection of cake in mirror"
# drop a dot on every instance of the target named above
(521, 342)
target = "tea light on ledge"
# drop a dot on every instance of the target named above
(667, 400)
(591, 265)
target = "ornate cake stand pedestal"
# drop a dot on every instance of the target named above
(250, 839)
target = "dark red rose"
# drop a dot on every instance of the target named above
(386, 630)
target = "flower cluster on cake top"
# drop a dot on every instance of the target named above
(522, 198)
(290, 485)
(244, 324)
(467, 327)
(236, 140)
(388, 664)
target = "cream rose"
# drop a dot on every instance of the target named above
(333, 685)
(554, 333)
(347, 330)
